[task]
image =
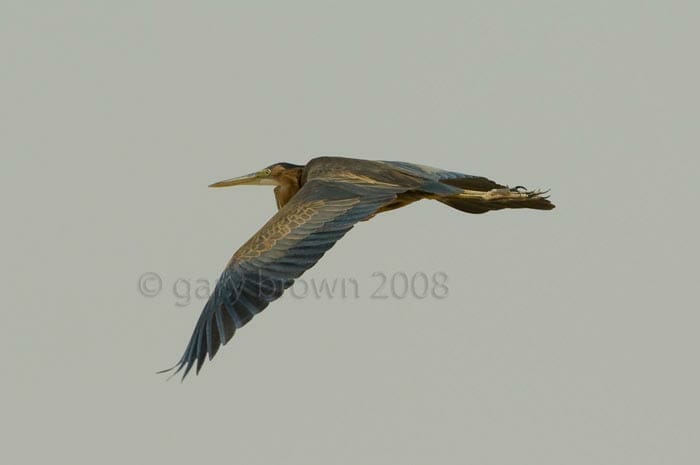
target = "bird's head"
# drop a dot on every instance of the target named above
(273, 175)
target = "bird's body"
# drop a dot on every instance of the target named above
(317, 204)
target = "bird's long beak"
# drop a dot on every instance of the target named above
(250, 179)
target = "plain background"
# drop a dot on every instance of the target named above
(567, 337)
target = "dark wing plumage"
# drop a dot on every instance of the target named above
(291, 242)
(452, 178)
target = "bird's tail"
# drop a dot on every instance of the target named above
(477, 201)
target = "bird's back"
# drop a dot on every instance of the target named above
(379, 173)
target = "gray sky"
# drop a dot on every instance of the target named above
(565, 337)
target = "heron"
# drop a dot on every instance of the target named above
(317, 204)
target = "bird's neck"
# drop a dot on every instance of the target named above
(287, 187)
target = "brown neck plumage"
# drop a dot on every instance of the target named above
(288, 184)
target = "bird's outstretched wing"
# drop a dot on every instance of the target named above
(291, 242)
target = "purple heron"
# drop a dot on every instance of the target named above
(317, 204)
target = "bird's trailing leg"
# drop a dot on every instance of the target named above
(506, 194)
(473, 201)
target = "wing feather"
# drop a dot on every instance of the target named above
(290, 243)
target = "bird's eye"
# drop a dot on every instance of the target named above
(267, 171)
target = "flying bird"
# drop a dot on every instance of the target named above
(317, 204)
